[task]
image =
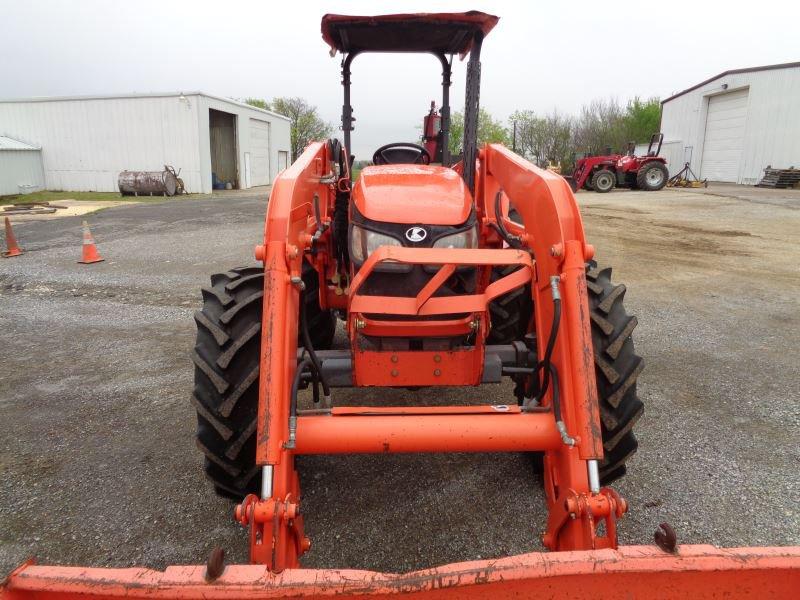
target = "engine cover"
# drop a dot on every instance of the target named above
(412, 194)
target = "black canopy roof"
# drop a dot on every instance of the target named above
(441, 33)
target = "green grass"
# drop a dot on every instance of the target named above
(96, 196)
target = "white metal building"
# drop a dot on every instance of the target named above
(20, 167)
(86, 141)
(732, 126)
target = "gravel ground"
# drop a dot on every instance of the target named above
(97, 459)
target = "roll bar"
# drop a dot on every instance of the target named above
(441, 34)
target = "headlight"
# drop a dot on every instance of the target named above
(465, 239)
(364, 242)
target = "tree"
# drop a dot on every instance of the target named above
(543, 139)
(522, 126)
(642, 119)
(604, 123)
(257, 102)
(600, 126)
(489, 131)
(456, 138)
(306, 124)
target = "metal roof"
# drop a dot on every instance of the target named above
(143, 95)
(733, 72)
(7, 143)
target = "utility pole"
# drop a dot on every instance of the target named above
(514, 137)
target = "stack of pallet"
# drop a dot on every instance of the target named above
(30, 208)
(780, 178)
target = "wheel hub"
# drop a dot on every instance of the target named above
(654, 177)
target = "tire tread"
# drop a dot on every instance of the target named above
(617, 367)
(227, 370)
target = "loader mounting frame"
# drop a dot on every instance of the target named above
(300, 206)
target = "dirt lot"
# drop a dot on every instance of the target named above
(97, 459)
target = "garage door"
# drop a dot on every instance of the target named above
(259, 152)
(722, 149)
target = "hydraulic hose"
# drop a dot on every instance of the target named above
(298, 374)
(551, 341)
(546, 363)
(556, 393)
(512, 240)
(315, 386)
(326, 391)
(549, 369)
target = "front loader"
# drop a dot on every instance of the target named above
(436, 285)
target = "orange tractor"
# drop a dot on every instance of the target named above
(436, 286)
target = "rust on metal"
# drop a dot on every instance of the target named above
(150, 183)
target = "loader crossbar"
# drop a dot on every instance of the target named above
(367, 430)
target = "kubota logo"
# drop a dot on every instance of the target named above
(416, 234)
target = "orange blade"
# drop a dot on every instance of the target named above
(632, 572)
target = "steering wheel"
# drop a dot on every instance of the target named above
(401, 153)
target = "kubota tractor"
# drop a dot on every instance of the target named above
(435, 286)
(603, 173)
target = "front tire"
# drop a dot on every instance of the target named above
(603, 181)
(617, 367)
(227, 360)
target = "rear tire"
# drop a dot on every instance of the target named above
(652, 177)
(227, 359)
(603, 181)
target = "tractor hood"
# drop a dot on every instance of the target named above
(412, 194)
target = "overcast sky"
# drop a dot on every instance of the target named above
(542, 55)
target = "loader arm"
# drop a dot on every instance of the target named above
(554, 232)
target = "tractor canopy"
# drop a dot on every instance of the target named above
(439, 33)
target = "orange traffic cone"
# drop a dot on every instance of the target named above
(90, 253)
(11, 242)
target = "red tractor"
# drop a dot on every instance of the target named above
(604, 173)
